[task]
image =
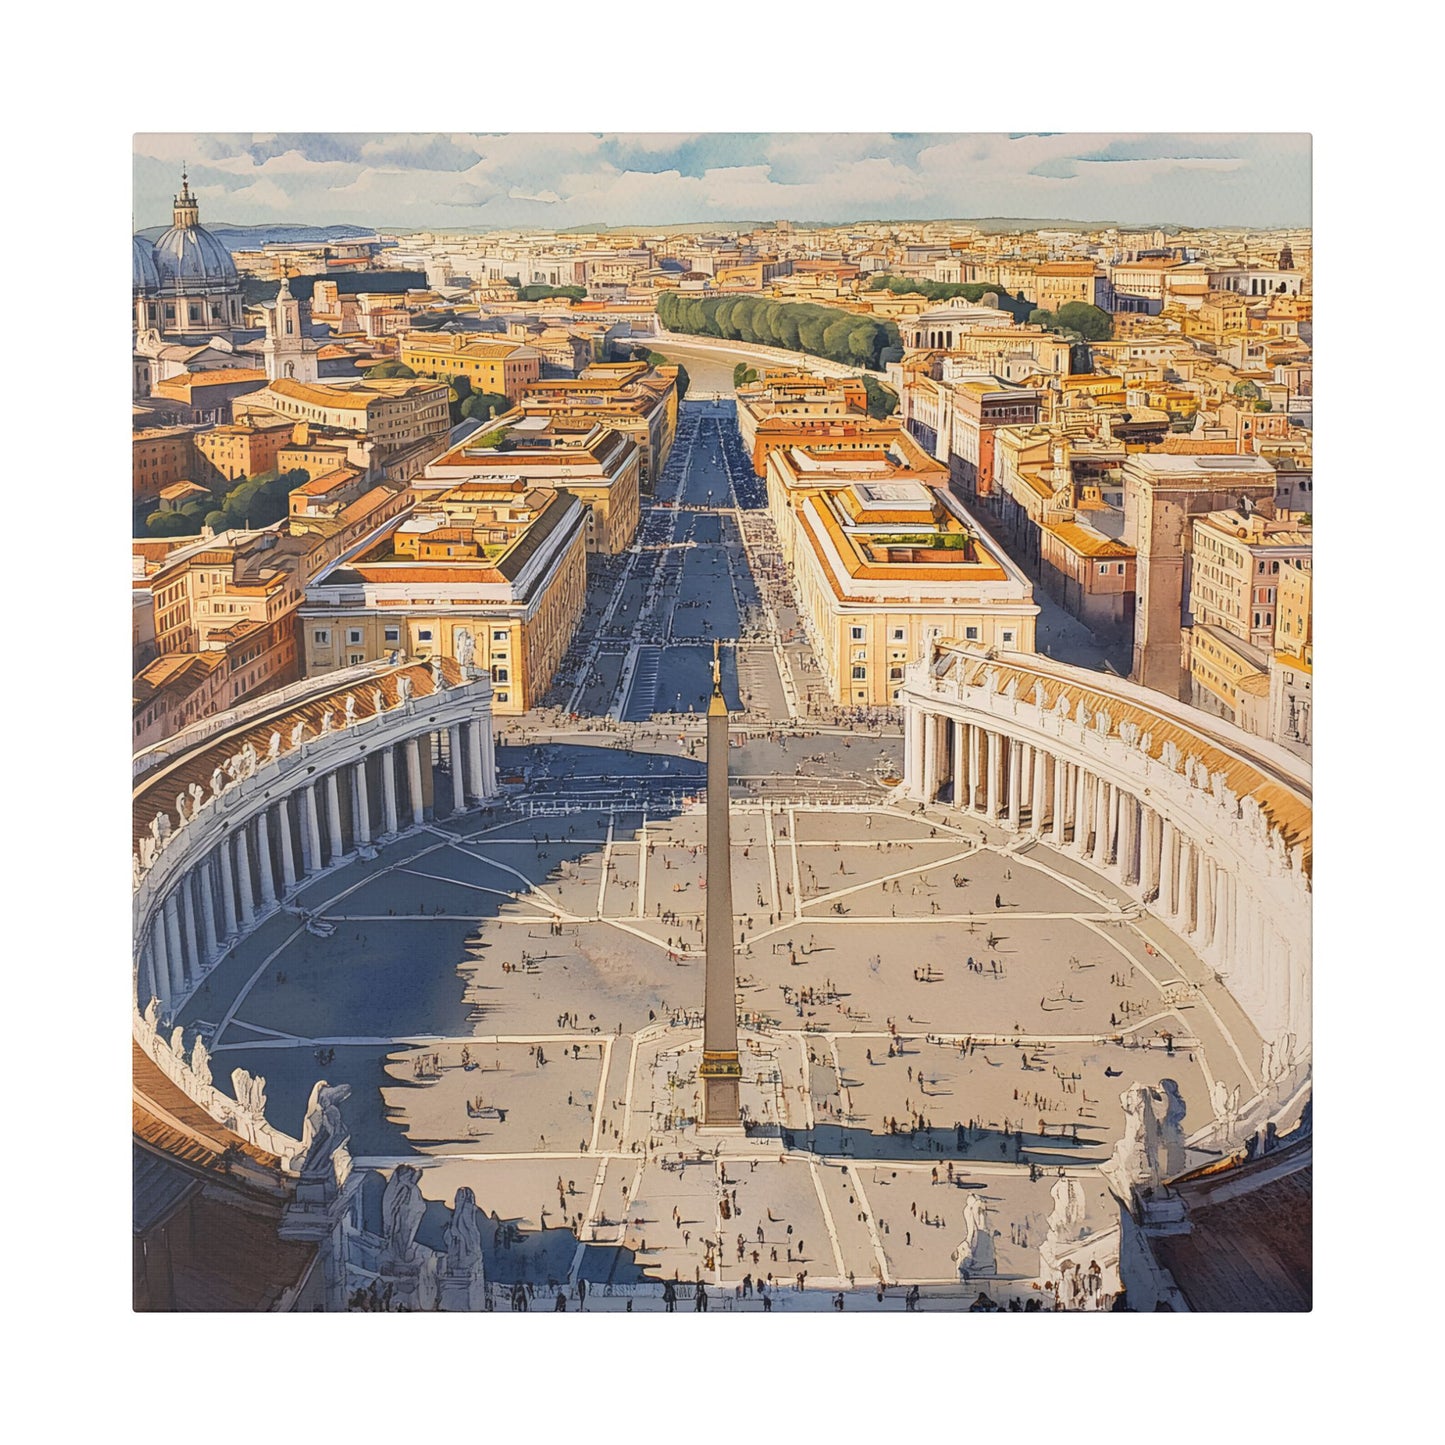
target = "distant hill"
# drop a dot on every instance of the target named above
(247, 238)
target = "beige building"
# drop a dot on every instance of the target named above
(630, 397)
(596, 464)
(502, 562)
(392, 414)
(503, 368)
(1291, 672)
(1235, 571)
(883, 564)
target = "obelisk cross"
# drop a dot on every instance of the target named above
(721, 1073)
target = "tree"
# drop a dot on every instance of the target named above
(387, 370)
(1089, 321)
(882, 400)
(171, 524)
(484, 405)
(1246, 389)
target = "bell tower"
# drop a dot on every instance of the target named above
(186, 211)
(289, 352)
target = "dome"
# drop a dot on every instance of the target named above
(192, 254)
(143, 273)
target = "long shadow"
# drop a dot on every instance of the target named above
(956, 1142)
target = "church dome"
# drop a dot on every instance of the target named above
(192, 253)
(143, 273)
(188, 253)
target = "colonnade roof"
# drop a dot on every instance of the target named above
(157, 792)
(1284, 800)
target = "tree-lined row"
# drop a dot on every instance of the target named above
(802, 326)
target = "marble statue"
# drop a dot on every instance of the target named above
(250, 1093)
(1081, 714)
(147, 852)
(350, 708)
(976, 1255)
(178, 1042)
(152, 1015)
(181, 807)
(402, 1210)
(323, 1131)
(1061, 706)
(201, 1063)
(403, 688)
(273, 748)
(378, 700)
(1268, 1070)
(1103, 721)
(1171, 1130)
(297, 733)
(218, 782)
(1011, 688)
(198, 798)
(326, 720)
(436, 673)
(1170, 756)
(463, 1236)
(233, 767)
(1146, 743)
(465, 646)
(1136, 1155)
(1226, 1106)
(1129, 731)
(135, 870)
(1041, 698)
(248, 759)
(1066, 1220)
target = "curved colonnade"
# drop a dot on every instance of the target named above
(226, 832)
(1206, 826)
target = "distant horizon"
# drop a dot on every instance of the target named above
(466, 183)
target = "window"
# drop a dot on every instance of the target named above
(354, 635)
(423, 634)
(500, 674)
(1120, 569)
(1008, 635)
(895, 674)
(857, 634)
(859, 674)
(898, 634)
(322, 636)
(392, 634)
(970, 634)
(356, 657)
(499, 636)
(501, 697)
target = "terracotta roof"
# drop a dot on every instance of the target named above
(1087, 542)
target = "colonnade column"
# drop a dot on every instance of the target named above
(913, 748)
(212, 939)
(1081, 810)
(313, 828)
(243, 880)
(1167, 870)
(361, 813)
(263, 859)
(193, 958)
(473, 732)
(388, 790)
(1060, 801)
(995, 775)
(413, 778)
(175, 963)
(458, 767)
(333, 817)
(228, 889)
(489, 759)
(1037, 805)
(1222, 886)
(975, 765)
(288, 849)
(160, 961)
(930, 757)
(1015, 782)
(960, 765)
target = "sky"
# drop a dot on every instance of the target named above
(456, 181)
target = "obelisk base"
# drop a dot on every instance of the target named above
(721, 1076)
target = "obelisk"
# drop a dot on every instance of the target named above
(721, 1074)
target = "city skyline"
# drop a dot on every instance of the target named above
(480, 182)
